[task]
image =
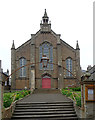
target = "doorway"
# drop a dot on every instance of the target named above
(46, 82)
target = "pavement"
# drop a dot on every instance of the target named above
(51, 96)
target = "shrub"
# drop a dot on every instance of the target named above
(17, 97)
(29, 92)
(78, 101)
(77, 95)
(64, 92)
(7, 100)
(69, 94)
(76, 89)
(8, 97)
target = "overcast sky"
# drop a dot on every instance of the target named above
(73, 19)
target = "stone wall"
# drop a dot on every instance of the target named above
(61, 51)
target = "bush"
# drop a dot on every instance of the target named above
(64, 92)
(77, 95)
(76, 89)
(18, 96)
(78, 100)
(7, 100)
(8, 97)
(29, 92)
(69, 94)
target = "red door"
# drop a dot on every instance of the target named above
(46, 83)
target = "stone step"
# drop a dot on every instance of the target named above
(32, 105)
(45, 112)
(55, 118)
(44, 107)
(44, 116)
(42, 110)
(55, 102)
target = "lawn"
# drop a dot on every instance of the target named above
(74, 94)
(8, 98)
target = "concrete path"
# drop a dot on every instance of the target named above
(44, 97)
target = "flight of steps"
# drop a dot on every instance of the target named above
(45, 111)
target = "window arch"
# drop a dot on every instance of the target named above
(69, 66)
(46, 49)
(23, 69)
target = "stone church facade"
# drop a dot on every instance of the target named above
(54, 76)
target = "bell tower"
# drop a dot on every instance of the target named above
(45, 25)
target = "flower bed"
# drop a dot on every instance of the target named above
(8, 98)
(74, 94)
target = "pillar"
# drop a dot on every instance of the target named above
(32, 67)
(32, 78)
(13, 67)
(78, 71)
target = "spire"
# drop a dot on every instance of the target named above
(45, 18)
(77, 46)
(45, 14)
(13, 46)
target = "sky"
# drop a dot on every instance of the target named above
(73, 19)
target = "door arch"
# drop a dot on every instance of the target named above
(46, 82)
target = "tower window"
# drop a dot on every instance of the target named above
(44, 20)
(69, 67)
(23, 69)
(46, 49)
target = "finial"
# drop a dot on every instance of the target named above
(77, 46)
(13, 46)
(7, 72)
(49, 22)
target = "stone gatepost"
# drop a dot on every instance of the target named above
(88, 96)
(1, 93)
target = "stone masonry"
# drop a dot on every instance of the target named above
(30, 51)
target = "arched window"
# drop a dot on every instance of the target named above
(23, 69)
(46, 49)
(69, 66)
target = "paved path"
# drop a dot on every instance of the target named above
(44, 97)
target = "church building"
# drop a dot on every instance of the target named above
(62, 69)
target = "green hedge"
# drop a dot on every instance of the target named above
(76, 89)
(8, 97)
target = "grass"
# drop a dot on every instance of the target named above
(8, 98)
(73, 94)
